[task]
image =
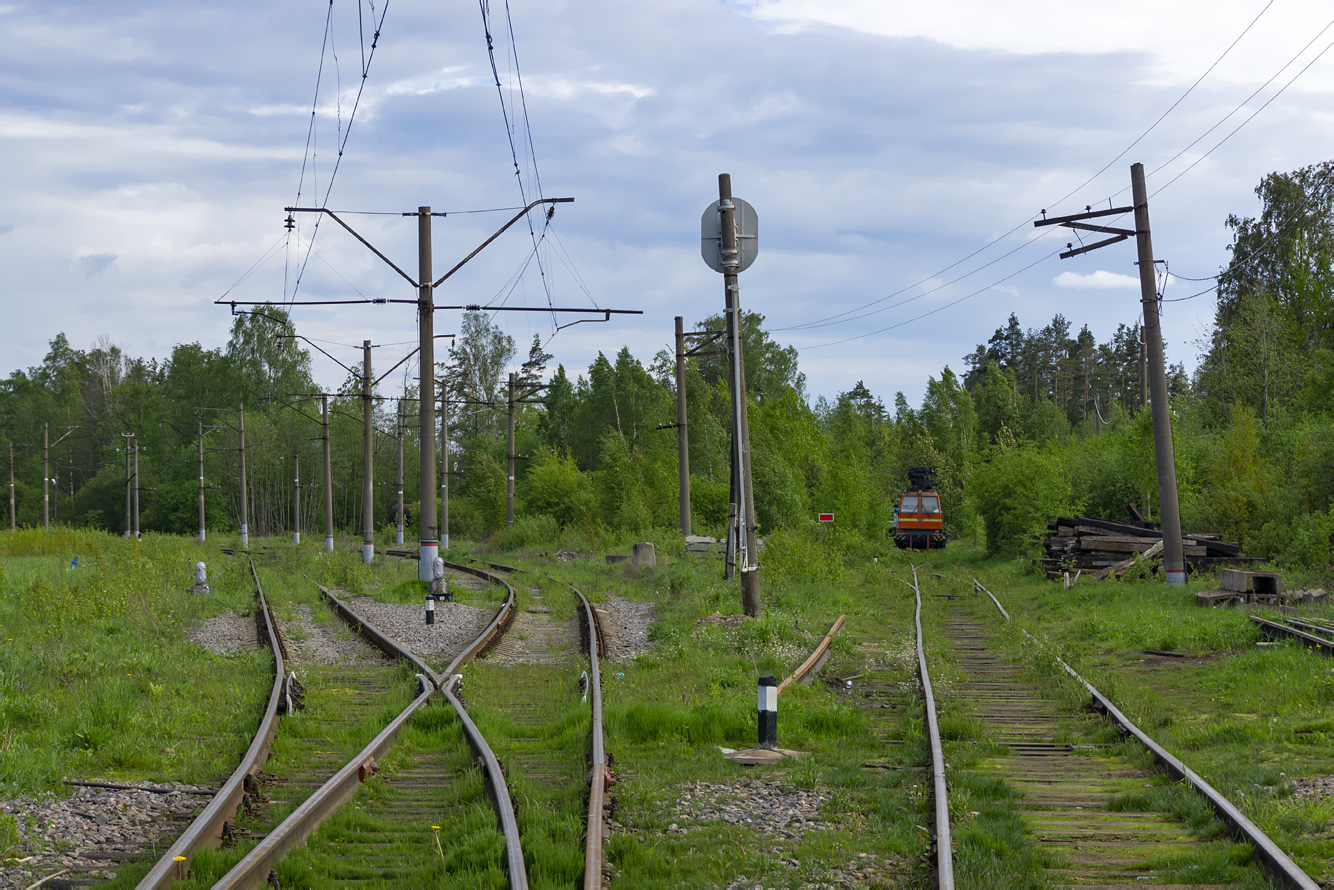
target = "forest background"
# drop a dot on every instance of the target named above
(1041, 422)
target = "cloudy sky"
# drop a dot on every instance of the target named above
(895, 152)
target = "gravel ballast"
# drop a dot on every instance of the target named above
(94, 830)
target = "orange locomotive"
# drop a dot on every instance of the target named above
(918, 524)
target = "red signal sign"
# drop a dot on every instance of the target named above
(826, 517)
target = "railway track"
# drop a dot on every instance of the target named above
(1079, 801)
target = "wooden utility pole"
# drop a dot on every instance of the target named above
(682, 440)
(1174, 560)
(509, 474)
(46, 476)
(748, 563)
(201, 482)
(328, 478)
(296, 500)
(1151, 354)
(367, 458)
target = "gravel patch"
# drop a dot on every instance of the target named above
(94, 830)
(456, 625)
(625, 626)
(764, 806)
(227, 634)
(326, 642)
(783, 815)
(1313, 788)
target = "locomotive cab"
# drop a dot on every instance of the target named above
(920, 522)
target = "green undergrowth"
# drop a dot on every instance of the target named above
(97, 677)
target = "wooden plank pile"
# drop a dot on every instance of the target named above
(1103, 547)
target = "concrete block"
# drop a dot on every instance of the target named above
(643, 554)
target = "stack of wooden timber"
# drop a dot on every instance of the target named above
(1084, 544)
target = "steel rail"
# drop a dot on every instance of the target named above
(253, 870)
(495, 775)
(378, 638)
(1276, 631)
(597, 785)
(816, 659)
(944, 847)
(1272, 859)
(209, 827)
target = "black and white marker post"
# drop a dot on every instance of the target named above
(430, 609)
(768, 711)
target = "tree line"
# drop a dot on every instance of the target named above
(1042, 421)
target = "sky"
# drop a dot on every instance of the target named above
(896, 154)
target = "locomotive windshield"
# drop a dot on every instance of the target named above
(909, 503)
(930, 503)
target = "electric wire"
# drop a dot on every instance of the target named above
(941, 308)
(1255, 254)
(1266, 104)
(344, 135)
(822, 322)
(485, 8)
(264, 258)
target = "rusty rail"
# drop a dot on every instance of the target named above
(253, 870)
(944, 846)
(1276, 631)
(209, 826)
(1272, 859)
(816, 660)
(597, 786)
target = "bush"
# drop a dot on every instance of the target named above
(555, 486)
(1017, 493)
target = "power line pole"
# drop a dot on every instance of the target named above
(296, 505)
(1174, 560)
(509, 477)
(429, 540)
(46, 474)
(201, 482)
(245, 512)
(444, 467)
(129, 525)
(1151, 355)
(367, 465)
(682, 440)
(328, 479)
(748, 563)
(399, 538)
(136, 487)
(13, 518)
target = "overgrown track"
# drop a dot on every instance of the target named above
(393, 835)
(1068, 787)
(944, 846)
(537, 747)
(217, 821)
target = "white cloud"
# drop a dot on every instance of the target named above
(1099, 280)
